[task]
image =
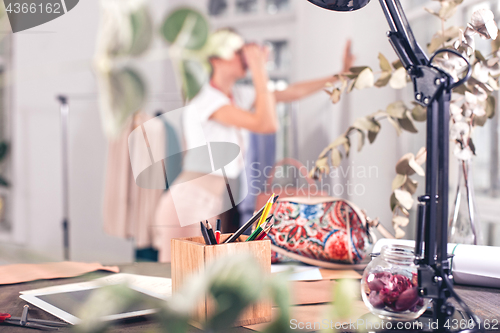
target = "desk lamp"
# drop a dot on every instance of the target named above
(432, 89)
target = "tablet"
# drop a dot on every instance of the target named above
(66, 304)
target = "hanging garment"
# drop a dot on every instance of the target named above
(129, 209)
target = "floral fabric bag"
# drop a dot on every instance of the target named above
(321, 231)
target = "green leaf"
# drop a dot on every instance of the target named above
(358, 69)
(383, 80)
(335, 157)
(419, 113)
(4, 182)
(404, 198)
(372, 136)
(4, 147)
(398, 79)
(142, 31)
(393, 201)
(416, 167)
(361, 139)
(395, 124)
(479, 56)
(400, 221)
(365, 79)
(461, 89)
(407, 124)
(345, 295)
(398, 181)
(396, 109)
(127, 95)
(347, 146)
(366, 124)
(335, 95)
(193, 76)
(385, 66)
(490, 107)
(397, 64)
(190, 22)
(410, 185)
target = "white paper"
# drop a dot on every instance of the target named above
(157, 285)
(298, 272)
(474, 265)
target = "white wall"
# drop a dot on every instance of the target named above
(53, 59)
(56, 57)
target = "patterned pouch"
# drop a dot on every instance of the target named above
(322, 231)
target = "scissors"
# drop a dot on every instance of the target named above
(6, 318)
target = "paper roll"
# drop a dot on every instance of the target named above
(472, 264)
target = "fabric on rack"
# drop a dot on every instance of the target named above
(173, 165)
(128, 209)
(260, 158)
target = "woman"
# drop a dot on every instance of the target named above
(221, 113)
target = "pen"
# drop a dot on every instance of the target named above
(205, 234)
(247, 224)
(211, 235)
(217, 231)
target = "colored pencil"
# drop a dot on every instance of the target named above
(257, 231)
(247, 224)
(264, 233)
(267, 208)
(217, 231)
(205, 234)
(211, 234)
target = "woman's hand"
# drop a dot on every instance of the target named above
(349, 58)
(255, 57)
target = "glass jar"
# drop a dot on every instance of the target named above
(390, 287)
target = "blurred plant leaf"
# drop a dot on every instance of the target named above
(383, 79)
(4, 147)
(395, 124)
(345, 294)
(396, 109)
(404, 198)
(193, 76)
(407, 123)
(123, 93)
(4, 182)
(188, 21)
(398, 79)
(361, 139)
(336, 157)
(410, 185)
(397, 64)
(400, 221)
(419, 113)
(399, 181)
(385, 66)
(335, 95)
(142, 31)
(365, 79)
(483, 22)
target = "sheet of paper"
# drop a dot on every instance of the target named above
(157, 285)
(18, 273)
(298, 272)
(472, 264)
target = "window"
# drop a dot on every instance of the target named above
(246, 6)
(277, 6)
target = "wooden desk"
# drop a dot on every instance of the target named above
(485, 302)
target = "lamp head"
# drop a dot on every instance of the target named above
(340, 5)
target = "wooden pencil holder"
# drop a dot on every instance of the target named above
(191, 256)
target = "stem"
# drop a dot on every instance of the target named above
(442, 32)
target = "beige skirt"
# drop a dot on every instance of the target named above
(193, 197)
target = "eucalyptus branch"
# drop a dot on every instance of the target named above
(473, 103)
